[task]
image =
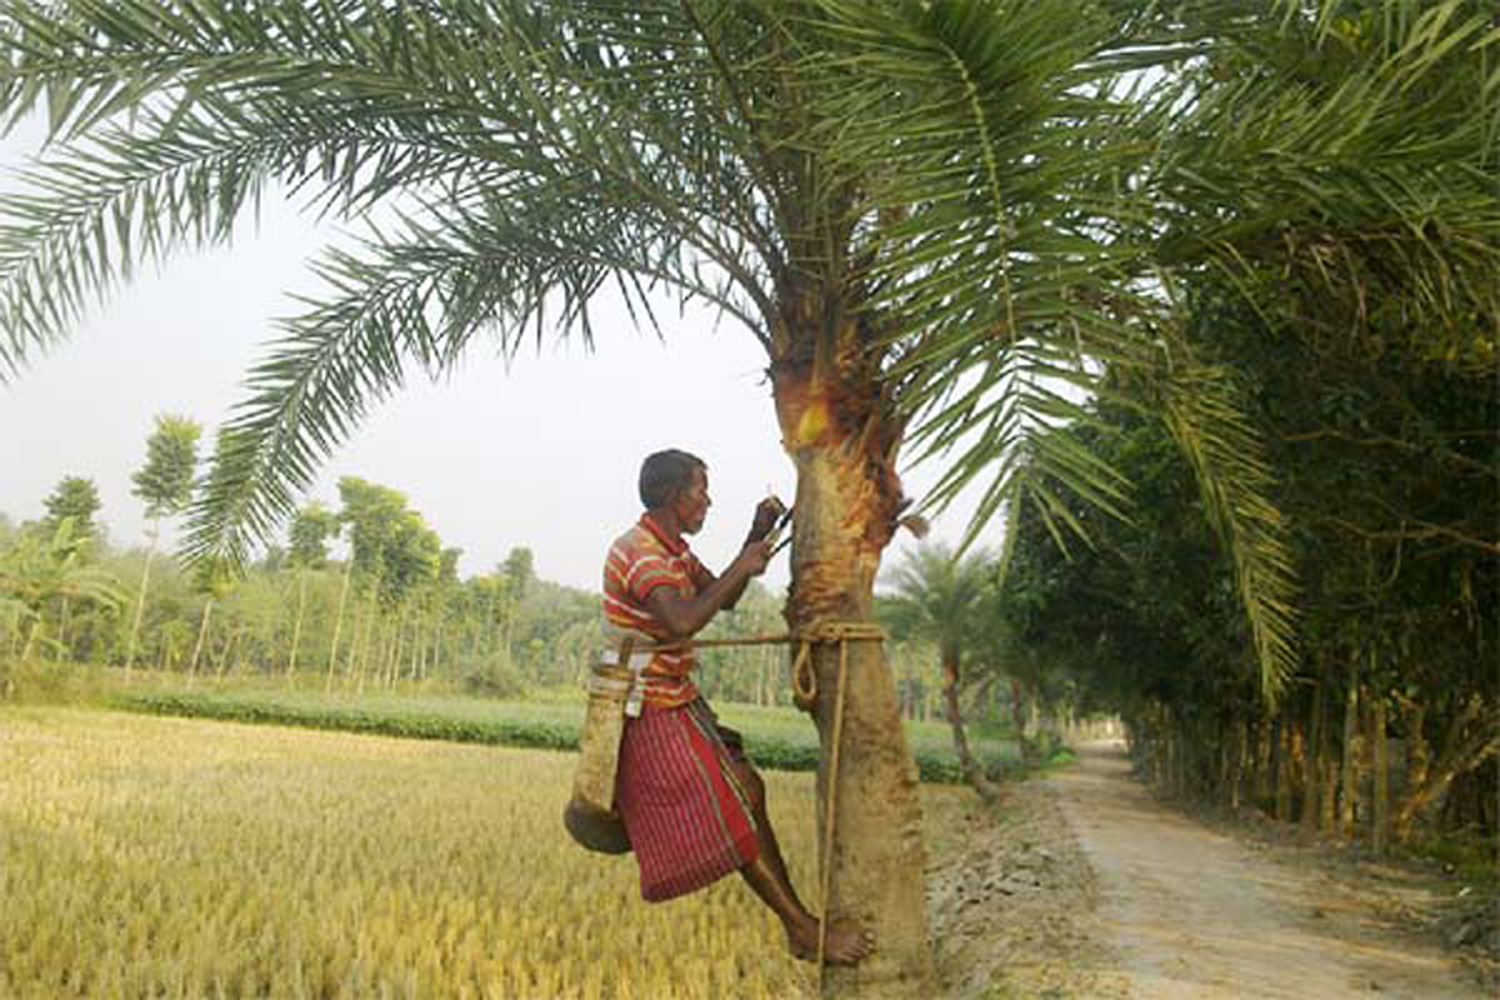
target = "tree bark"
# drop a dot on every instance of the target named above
(1313, 765)
(1236, 753)
(1289, 759)
(1262, 761)
(1328, 796)
(847, 501)
(1380, 817)
(1471, 737)
(1018, 720)
(967, 766)
(1350, 791)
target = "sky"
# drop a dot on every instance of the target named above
(542, 453)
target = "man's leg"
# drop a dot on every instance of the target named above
(767, 875)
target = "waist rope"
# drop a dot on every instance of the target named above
(805, 696)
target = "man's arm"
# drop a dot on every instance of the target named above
(684, 616)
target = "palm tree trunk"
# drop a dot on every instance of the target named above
(140, 600)
(967, 766)
(844, 520)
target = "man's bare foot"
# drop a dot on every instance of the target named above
(847, 943)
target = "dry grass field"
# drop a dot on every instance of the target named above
(152, 857)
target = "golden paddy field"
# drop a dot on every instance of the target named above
(153, 857)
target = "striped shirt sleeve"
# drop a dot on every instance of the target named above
(649, 572)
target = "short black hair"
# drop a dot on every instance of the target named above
(664, 473)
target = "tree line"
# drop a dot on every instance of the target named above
(390, 608)
(1384, 439)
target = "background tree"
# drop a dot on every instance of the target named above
(307, 550)
(165, 482)
(213, 581)
(77, 499)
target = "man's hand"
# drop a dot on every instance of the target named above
(754, 557)
(767, 513)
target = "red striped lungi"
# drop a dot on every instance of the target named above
(687, 816)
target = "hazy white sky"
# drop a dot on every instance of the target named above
(544, 455)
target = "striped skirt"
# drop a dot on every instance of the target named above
(688, 819)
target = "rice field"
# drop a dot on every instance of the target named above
(159, 857)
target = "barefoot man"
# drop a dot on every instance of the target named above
(692, 805)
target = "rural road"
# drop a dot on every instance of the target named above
(1189, 912)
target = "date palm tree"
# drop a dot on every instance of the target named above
(940, 597)
(934, 217)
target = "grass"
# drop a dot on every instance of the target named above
(165, 857)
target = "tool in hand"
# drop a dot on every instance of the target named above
(773, 537)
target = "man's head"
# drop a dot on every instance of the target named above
(677, 481)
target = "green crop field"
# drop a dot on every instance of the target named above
(145, 856)
(776, 738)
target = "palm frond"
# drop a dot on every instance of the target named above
(1340, 171)
(549, 151)
(411, 301)
(1202, 410)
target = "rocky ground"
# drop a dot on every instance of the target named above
(1082, 885)
(1011, 898)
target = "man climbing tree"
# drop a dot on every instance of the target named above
(693, 807)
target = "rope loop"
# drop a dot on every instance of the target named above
(804, 678)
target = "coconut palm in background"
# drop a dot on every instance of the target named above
(934, 217)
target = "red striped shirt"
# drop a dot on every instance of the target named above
(639, 561)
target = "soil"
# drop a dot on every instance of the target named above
(1083, 885)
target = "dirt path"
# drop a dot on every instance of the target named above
(1185, 911)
